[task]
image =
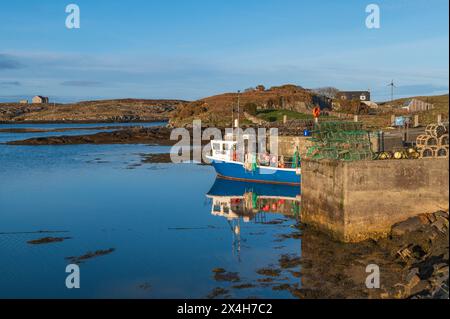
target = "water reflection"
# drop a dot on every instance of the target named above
(252, 201)
(153, 218)
(244, 202)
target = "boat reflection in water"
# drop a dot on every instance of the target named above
(251, 202)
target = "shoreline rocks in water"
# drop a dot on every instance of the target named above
(162, 158)
(421, 244)
(63, 129)
(222, 275)
(413, 262)
(151, 135)
(47, 240)
(90, 255)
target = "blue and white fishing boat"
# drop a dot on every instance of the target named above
(260, 168)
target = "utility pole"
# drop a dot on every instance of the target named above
(392, 85)
(232, 115)
(238, 105)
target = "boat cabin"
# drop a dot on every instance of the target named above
(229, 208)
(223, 150)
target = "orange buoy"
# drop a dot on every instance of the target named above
(316, 112)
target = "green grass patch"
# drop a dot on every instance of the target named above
(277, 115)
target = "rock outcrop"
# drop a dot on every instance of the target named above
(217, 110)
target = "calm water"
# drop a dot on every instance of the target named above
(169, 225)
(82, 129)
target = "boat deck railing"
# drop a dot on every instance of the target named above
(264, 159)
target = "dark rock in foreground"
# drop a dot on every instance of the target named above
(90, 255)
(222, 275)
(157, 158)
(47, 240)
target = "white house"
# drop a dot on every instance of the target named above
(38, 99)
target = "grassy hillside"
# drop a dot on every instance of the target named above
(217, 110)
(437, 100)
(441, 106)
(277, 115)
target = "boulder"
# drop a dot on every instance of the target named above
(441, 224)
(413, 282)
(407, 226)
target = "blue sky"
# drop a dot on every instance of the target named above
(189, 49)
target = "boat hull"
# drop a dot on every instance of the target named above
(236, 171)
(225, 187)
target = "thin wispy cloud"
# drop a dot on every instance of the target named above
(10, 83)
(81, 83)
(195, 52)
(8, 62)
(119, 75)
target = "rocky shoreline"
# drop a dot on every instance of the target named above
(135, 135)
(413, 263)
(99, 121)
(421, 246)
(63, 129)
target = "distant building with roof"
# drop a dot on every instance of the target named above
(416, 105)
(354, 95)
(38, 99)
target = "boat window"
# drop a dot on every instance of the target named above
(216, 146)
(226, 147)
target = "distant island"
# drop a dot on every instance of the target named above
(102, 111)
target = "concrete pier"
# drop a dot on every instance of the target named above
(354, 201)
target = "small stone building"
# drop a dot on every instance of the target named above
(38, 99)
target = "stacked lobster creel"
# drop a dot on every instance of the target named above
(434, 143)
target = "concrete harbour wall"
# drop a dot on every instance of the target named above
(354, 201)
